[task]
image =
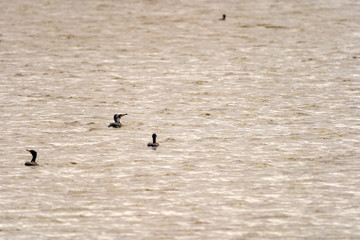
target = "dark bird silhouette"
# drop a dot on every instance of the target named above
(32, 163)
(223, 17)
(116, 123)
(154, 143)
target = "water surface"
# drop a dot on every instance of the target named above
(257, 119)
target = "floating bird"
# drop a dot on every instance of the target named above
(116, 123)
(154, 143)
(223, 17)
(32, 163)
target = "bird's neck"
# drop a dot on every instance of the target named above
(34, 157)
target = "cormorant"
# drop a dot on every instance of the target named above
(32, 163)
(223, 17)
(116, 123)
(154, 143)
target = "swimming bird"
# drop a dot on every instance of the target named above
(154, 143)
(32, 163)
(116, 123)
(223, 17)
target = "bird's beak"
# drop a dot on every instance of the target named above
(28, 150)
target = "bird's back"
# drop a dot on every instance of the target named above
(153, 144)
(115, 125)
(31, 164)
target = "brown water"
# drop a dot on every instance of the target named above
(258, 119)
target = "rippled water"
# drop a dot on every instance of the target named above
(258, 119)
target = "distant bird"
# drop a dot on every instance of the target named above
(154, 143)
(32, 163)
(223, 17)
(116, 123)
